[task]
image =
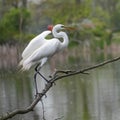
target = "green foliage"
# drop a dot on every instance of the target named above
(99, 27)
(73, 44)
(71, 12)
(116, 19)
(100, 34)
(13, 24)
(66, 11)
(116, 38)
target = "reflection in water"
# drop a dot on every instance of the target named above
(15, 92)
(82, 97)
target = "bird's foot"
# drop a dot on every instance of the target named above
(52, 82)
(40, 94)
(37, 95)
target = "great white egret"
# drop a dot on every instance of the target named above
(39, 50)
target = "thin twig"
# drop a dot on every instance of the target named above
(82, 71)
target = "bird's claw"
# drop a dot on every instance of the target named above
(40, 94)
(37, 94)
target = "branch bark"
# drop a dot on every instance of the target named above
(56, 76)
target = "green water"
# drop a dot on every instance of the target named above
(82, 97)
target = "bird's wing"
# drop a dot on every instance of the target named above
(47, 50)
(34, 44)
(42, 53)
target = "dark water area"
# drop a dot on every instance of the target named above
(95, 96)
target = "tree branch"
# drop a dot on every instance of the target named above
(82, 71)
(56, 76)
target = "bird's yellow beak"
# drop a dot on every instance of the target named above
(69, 28)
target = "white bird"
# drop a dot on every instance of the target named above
(39, 50)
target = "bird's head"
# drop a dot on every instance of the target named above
(56, 27)
(60, 27)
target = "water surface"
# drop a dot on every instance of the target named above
(81, 97)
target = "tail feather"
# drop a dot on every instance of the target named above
(20, 63)
(26, 65)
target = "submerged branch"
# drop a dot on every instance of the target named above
(56, 76)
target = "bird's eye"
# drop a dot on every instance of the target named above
(62, 26)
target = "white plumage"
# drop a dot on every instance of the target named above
(40, 49)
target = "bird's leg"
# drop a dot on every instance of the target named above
(35, 80)
(43, 77)
(38, 72)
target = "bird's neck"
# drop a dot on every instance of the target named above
(62, 35)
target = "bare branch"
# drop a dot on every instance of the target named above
(56, 76)
(82, 71)
(30, 107)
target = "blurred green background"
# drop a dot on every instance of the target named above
(97, 38)
(98, 20)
